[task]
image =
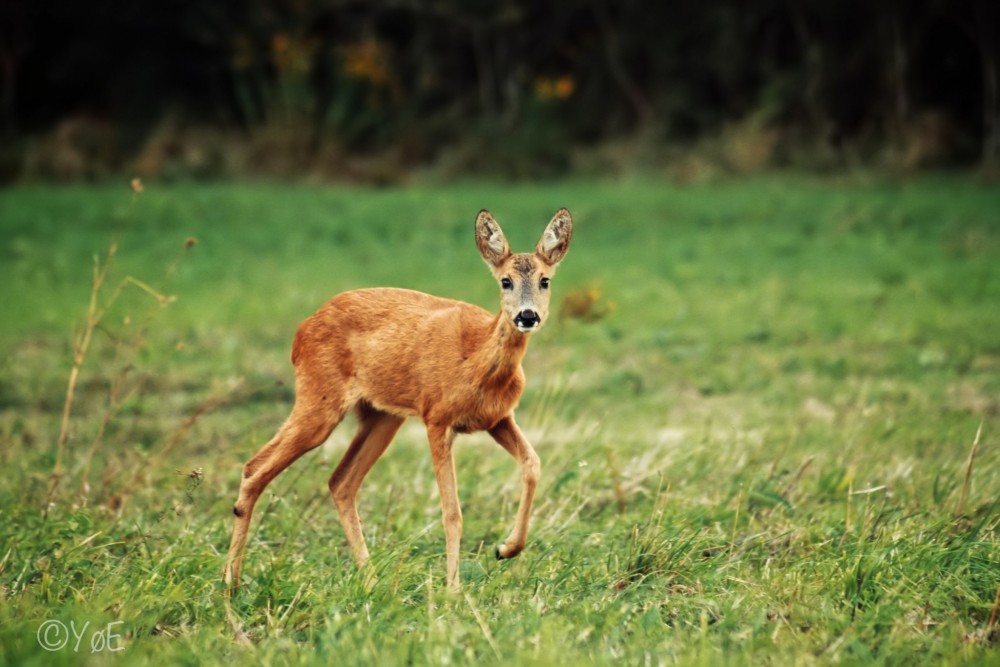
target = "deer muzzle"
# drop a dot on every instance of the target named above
(527, 320)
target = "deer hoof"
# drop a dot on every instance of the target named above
(503, 551)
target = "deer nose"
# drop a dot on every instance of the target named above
(527, 318)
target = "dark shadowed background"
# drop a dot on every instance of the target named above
(375, 91)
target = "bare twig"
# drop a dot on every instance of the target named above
(80, 349)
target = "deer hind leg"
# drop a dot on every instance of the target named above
(509, 436)
(441, 441)
(308, 427)
(376, 430)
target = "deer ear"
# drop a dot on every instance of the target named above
(490, 240)
(555, 239)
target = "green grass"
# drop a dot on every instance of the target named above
(755, 458)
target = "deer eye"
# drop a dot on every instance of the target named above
(544, 283)
(506, 283)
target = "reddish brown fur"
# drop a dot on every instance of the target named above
(389, 354)
(371, 345)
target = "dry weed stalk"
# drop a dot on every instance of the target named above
(996, 610)
(968, 472)
(97, 311)
(118, 389)
(80, 348)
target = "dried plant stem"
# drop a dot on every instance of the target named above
(118, 389)
(996, 610)
(968, 472)
(81, 346)
(80, 349)
(114, 404)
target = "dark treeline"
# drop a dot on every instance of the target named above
(120, 81)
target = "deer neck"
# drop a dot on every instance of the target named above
(502, 351)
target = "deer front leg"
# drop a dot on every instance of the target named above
(441, 440)
(509, 436)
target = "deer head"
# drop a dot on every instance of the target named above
(524, 277)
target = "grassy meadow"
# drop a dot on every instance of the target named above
(756, 404)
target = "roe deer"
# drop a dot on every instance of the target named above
(389, 354)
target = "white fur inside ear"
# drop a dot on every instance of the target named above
(550, 240)
(496, 242)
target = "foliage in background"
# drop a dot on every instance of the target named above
(755, 409)
(369, 90)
